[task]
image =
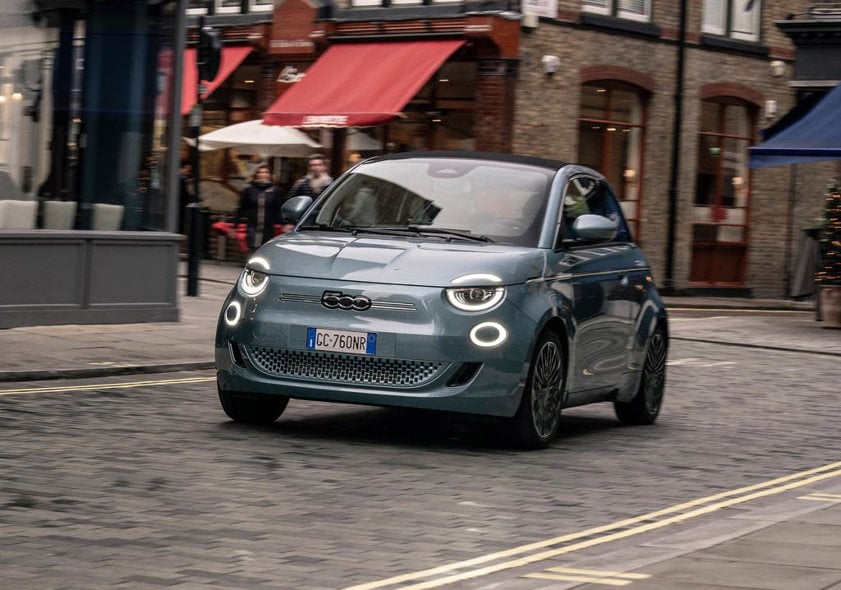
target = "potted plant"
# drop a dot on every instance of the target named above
(828, 276)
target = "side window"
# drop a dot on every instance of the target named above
(576, 202)
(585, 195)
(605, 203)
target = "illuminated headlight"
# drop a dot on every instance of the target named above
(253, 282)
(488, 334)
(475, 298)
(233, 313)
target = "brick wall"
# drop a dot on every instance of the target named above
(546, 124)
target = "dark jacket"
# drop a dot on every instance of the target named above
(302, 187)
(247, 212)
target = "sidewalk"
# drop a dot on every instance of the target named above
(46, 352)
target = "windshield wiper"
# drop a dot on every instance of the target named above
(452, 233)
(402, 230)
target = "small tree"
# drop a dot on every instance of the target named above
(829, 272)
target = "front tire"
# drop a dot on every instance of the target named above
(538, 418)
(645, 405)
(252, 408)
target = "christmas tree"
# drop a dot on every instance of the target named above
(829, 272)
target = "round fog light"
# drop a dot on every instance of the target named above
(488, 334)
(233, 313)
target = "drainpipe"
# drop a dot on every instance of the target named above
(668, 286)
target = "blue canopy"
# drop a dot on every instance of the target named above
(815, 137)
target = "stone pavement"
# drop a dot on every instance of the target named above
(44, 352)
(794, 549)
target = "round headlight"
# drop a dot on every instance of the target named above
(475, 298)
(253, 282)
(233, 313)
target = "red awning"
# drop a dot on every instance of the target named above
(230, 59)
(359, 85)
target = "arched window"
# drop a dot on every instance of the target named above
(611, 139)
(722, 189)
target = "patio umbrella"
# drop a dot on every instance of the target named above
(252, 137)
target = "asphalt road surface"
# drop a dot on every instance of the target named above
(142, 482)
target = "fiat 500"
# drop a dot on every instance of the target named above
(490, 284)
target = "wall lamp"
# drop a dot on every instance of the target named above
(550, 64)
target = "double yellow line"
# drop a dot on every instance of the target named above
(535, 552)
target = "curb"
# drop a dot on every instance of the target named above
(83, 373)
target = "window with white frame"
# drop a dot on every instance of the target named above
(738, 19)
(261, 5)
(383, 3)
(198, 7)
(630, 9)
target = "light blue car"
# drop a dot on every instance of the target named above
(483, 283)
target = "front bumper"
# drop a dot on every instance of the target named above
(424, 357)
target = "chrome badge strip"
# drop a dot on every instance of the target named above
(316, 300)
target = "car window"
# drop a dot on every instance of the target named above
(587, 195)
(505, 202)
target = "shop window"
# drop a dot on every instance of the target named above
(612, 139)
(630, 9)
(738, 19)
(442, 113)
(722, 190)
(721, 187)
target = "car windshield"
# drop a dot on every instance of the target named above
(439, 199)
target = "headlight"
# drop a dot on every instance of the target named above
(253, 282)
(475, 298)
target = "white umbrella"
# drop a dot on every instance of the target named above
(252, 137)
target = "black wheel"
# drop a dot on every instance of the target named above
(645, 405)
(252, 408)
(539, 415)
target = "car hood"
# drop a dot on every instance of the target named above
(395, 261)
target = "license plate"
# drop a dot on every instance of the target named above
(342, 341)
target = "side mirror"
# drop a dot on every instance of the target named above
(593, 229)
(295, 207)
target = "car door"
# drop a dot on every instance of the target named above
(595, 283)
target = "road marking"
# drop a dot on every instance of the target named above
(731, 311)
(550, 548)
(571, 574)
(696, 362)
(821, 497)
(97, 386)
(701, 318)
(685, 361)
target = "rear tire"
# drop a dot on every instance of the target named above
(538, 418)
(645, 405)
(252, 408)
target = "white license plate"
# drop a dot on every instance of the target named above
(342, 341)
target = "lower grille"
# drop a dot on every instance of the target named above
(343, 368)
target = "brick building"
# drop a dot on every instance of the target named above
(603, 82)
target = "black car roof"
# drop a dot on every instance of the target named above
(492, 156)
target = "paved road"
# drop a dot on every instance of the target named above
(149, 486)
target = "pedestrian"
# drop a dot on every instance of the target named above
(259, 208)
(315, 181)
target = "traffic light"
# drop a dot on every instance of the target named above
(210, 52)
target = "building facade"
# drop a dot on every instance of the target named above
(86, 121)
(662, 97)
